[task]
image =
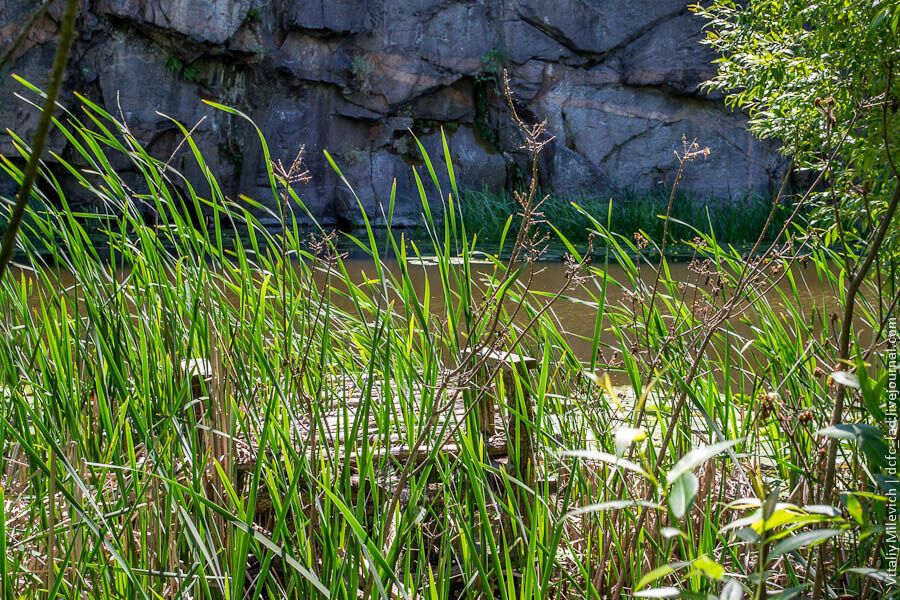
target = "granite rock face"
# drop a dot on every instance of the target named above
(619, 84)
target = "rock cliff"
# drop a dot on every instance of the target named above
(617, 80)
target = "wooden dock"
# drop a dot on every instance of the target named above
(390, 440)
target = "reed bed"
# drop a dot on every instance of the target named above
(737, 222)
(165, 390)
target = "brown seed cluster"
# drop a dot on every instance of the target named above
(768, 403)
(640, 241)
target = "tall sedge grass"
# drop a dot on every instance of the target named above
(120, 479)
(737, 223)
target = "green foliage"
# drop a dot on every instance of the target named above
(191, 73)
(361, 68)
(484, 131)
(823, 79)
(124, 478)
(492, 64)
(738, 222)
(485, 86)
(176, 67)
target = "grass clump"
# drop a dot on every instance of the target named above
(740, 222)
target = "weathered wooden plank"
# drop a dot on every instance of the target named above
(403, 453)
(506, 360)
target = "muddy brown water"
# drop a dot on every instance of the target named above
(576, 315)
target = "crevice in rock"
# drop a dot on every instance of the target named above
(557, 36)
(590, 58)
(571, 139)
(617, 148)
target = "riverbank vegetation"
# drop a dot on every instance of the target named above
(736, 222)
(194, 414)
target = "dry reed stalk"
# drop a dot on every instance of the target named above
(75, 520)
(50, 575)
(221, 429)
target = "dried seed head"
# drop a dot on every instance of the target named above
(768, 402)
(640, 240)
(295, 173)
(575, 273)
(691, 150)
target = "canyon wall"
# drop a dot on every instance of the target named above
(618, 82)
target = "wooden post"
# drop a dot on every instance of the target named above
(212, 414)
(518, 428)
(485, 410)
(520, 441)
